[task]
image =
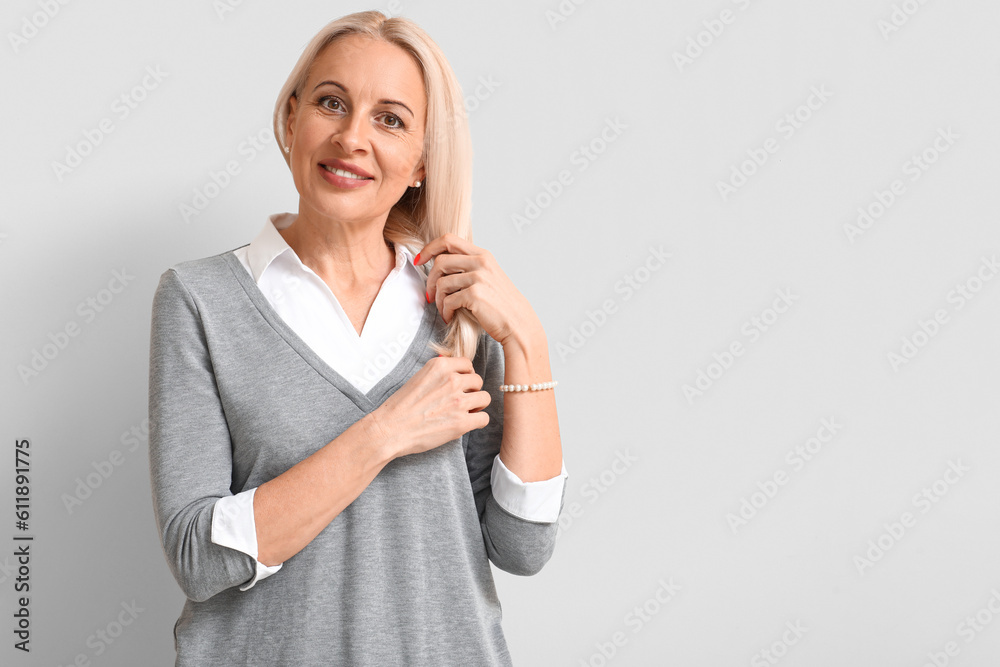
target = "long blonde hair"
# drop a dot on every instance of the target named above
(443, 202)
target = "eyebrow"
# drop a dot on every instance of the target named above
(334, 83)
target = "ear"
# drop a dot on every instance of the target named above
(420, 173)
(293, 104)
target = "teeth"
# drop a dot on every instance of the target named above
(341, 172)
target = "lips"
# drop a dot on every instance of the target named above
(346, 166)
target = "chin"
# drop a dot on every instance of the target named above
(338, 209)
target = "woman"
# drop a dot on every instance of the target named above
(335, 451)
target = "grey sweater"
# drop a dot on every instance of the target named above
(400, 577)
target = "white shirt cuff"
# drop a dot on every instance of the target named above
(233, 526)
(533, 501)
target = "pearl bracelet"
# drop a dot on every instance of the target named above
(538, 386)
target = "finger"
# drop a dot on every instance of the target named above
(447, 264)
(460, 384)
(447, 304)
(445, 243)
(473, 381)
(450, 284)
(471, 390)
(481, 400)
(453, 364)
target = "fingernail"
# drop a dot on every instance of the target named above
(416, 260)
(427, 296)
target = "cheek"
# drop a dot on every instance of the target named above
(310, 134)
(308, 139)
(403, 158)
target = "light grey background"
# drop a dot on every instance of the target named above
(541, 84)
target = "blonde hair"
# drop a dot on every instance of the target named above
(443, 202)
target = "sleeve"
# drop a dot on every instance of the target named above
(190, 449)
(233, 526)
(535, 501)
(514, 544)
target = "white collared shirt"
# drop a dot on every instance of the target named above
(306, 303)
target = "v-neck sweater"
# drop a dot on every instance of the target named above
(401, 576)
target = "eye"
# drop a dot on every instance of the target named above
(332, 100)
(393, 121)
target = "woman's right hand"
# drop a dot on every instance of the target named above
(441, 402)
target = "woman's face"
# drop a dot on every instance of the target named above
(363, 108)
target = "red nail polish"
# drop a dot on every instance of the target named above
(427, 296)
(416, 260)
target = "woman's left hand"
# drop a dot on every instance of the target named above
(467, 276)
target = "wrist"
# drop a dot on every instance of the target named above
(528, 340)
(526, 358)
(380, 437)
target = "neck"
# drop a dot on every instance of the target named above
(353, 257)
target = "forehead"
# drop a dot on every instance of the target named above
(369, 67)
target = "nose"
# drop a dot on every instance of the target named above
(352, 132)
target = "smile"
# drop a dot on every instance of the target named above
(344, 173)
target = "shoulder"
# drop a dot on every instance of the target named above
(204, 266)
(203, 273)
(198, 281)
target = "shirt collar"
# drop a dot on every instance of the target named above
(404, 257)
(269, 244)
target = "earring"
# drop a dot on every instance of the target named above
(287, 149)
(417, 185)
